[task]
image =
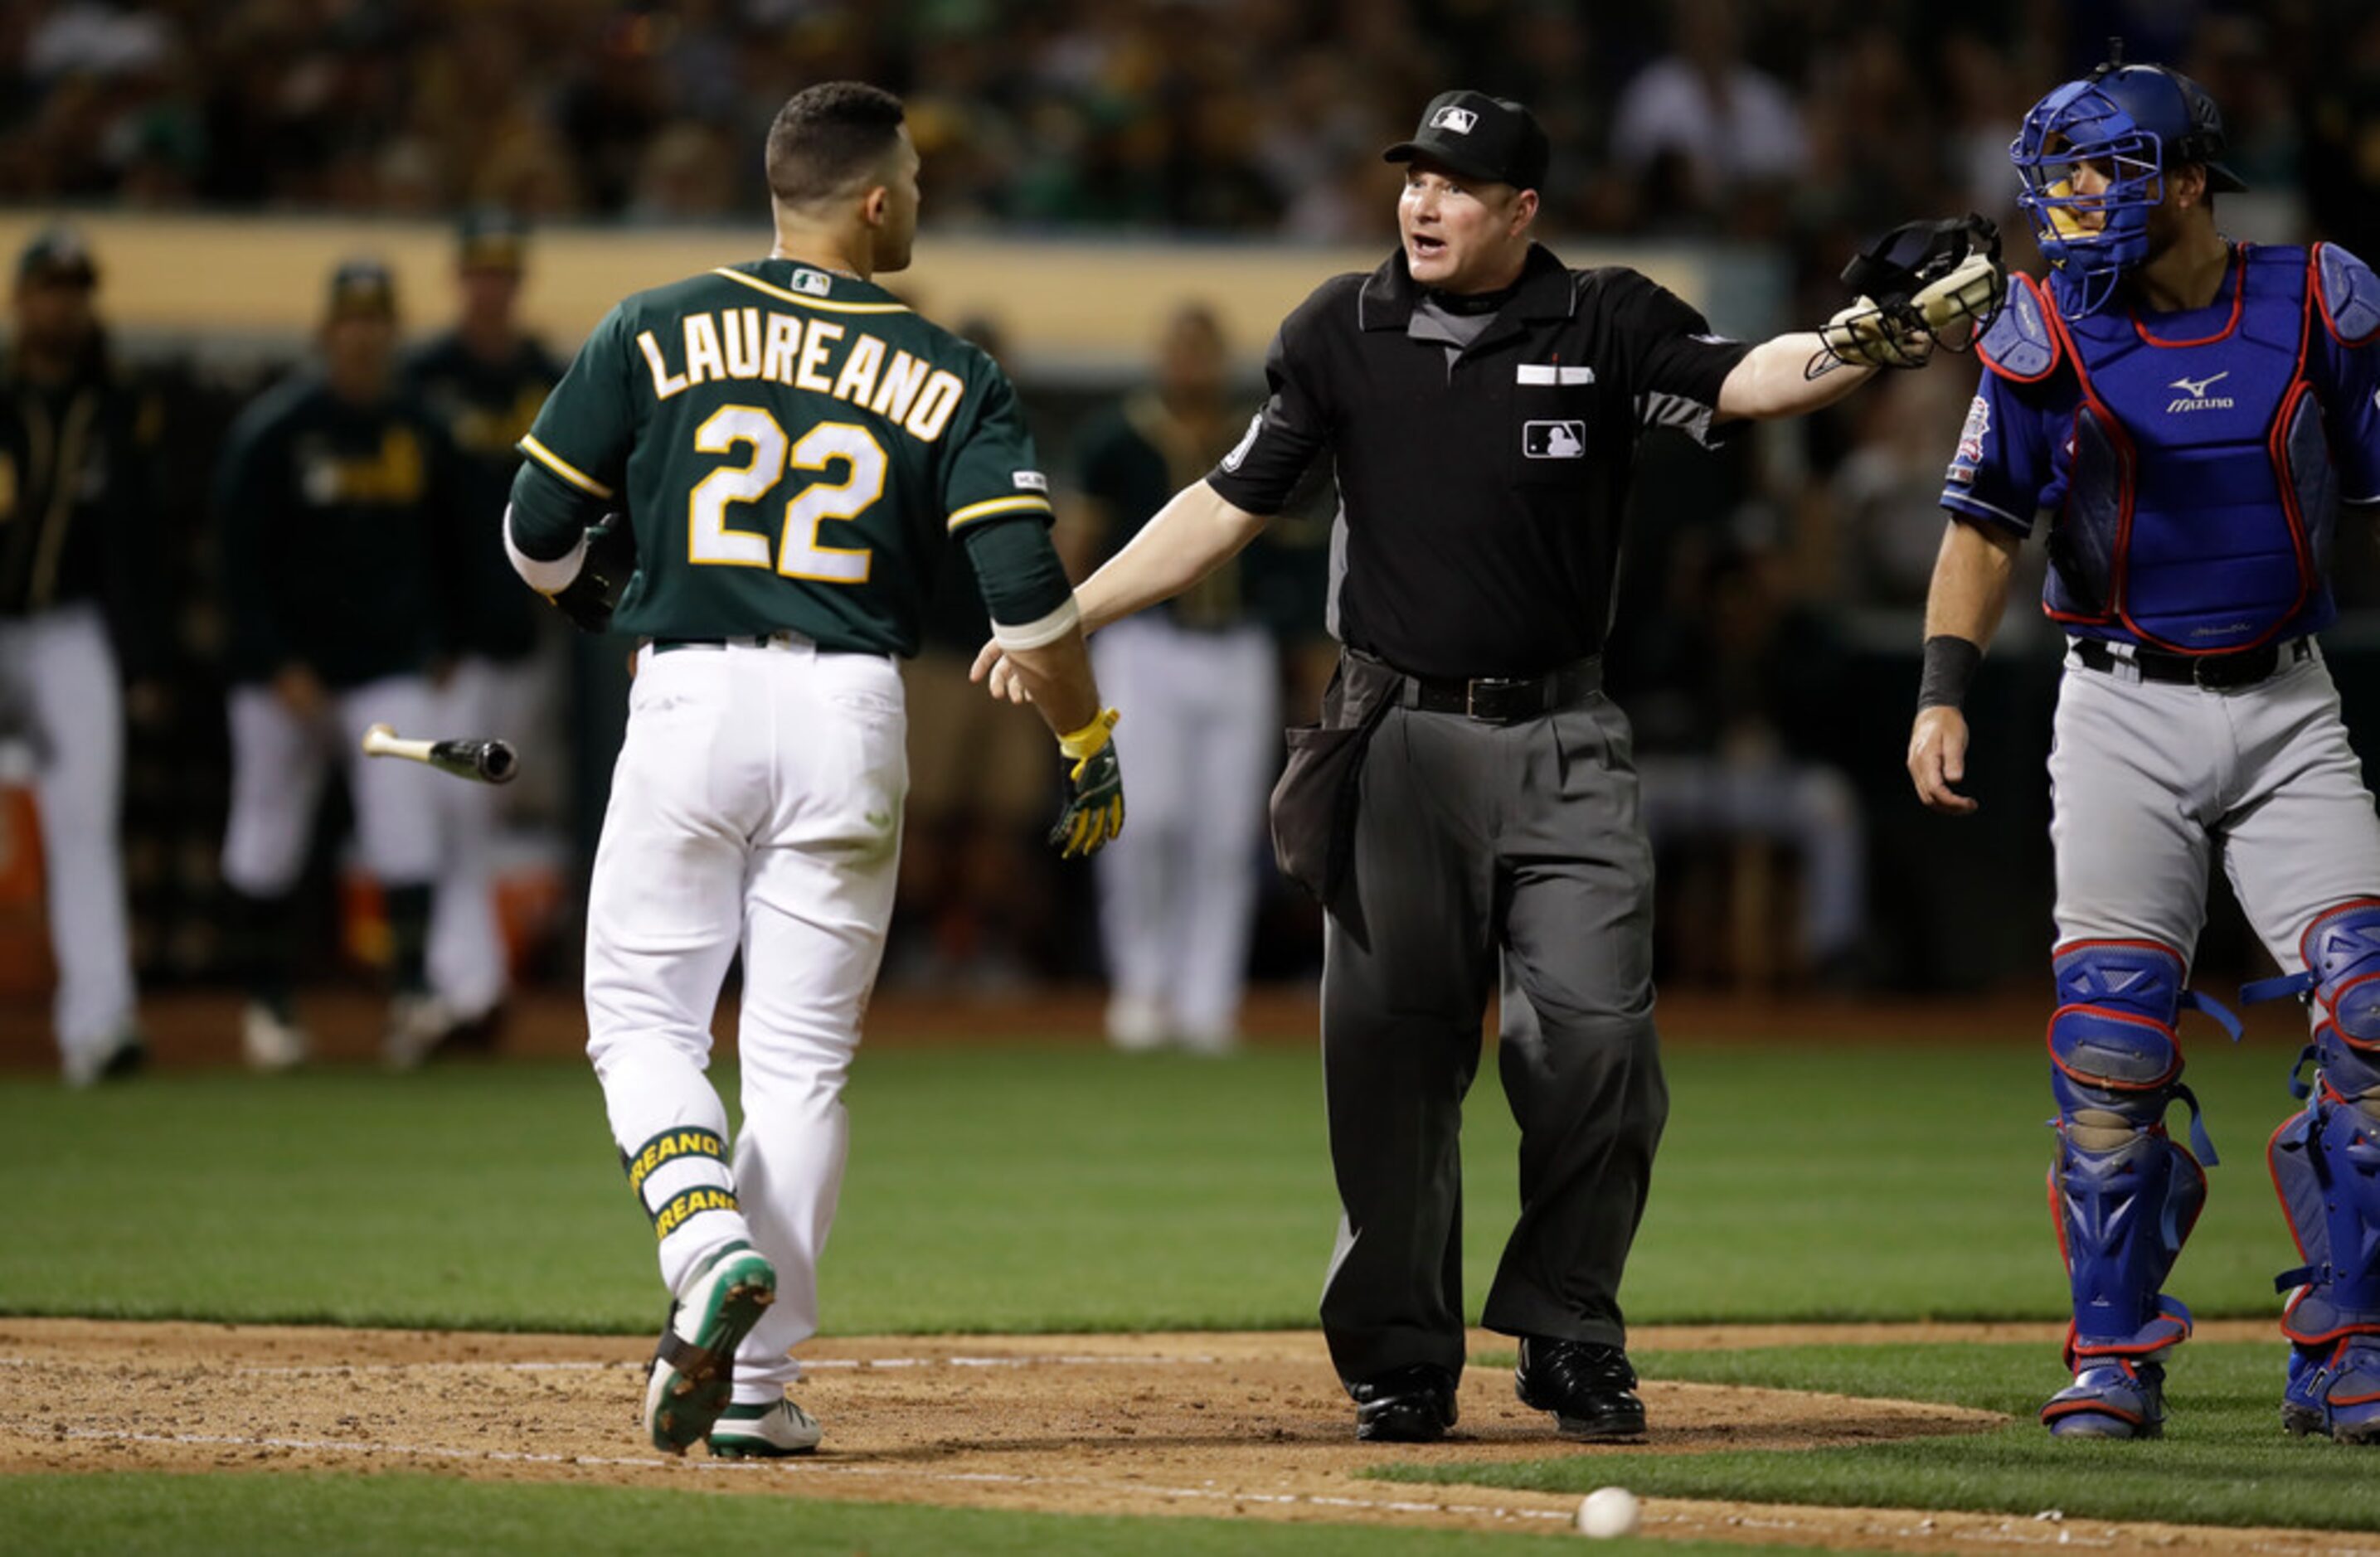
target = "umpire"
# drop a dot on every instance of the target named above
(1466, 808)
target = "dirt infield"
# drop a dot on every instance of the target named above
(1211, 1424)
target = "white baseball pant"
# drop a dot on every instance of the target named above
(482, 697)
(65, 669)
(1177, 889)
(278, 761)
(755, 806)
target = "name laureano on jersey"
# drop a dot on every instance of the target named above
(816, 355)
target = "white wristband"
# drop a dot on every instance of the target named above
(547, 575)
(1041, 633)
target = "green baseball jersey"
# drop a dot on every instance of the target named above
(485, 408)
(794, 449)
(337, 529)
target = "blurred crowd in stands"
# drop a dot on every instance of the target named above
(1767, 119)
(1766, 634)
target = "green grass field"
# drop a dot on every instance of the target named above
(1051, 1190)
(2224, 1460)
(1061, 1189)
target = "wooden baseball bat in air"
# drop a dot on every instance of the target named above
(488, 762)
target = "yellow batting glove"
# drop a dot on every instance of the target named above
(1093, 811)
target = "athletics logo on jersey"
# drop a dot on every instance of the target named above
(2195, 397)
(1554, 440)
(1030, 481)
(813, 284)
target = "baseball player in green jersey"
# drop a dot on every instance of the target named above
(794, 448)
(335, 506)
(484, 379)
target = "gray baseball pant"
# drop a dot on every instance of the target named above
(1488, 853)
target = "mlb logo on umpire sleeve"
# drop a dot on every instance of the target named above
(1554, 440)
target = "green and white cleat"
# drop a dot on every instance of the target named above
(772, 1430)
(694, 1367)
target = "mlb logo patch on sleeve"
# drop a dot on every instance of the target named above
(1554, 440)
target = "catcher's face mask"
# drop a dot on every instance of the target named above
(2091, 178)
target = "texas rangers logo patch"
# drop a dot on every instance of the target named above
(1970, 436)
(1553, 441)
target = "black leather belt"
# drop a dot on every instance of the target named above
(746, 640)
(2218, 671)
(1505, 700)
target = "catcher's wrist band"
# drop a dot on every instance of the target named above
(1950, 663)
(1080, 743)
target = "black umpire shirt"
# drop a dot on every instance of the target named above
(1482, 477)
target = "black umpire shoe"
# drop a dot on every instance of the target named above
(1590, 1389)
(1412, 1404)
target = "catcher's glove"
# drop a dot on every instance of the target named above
(1094, 812)
(1923, 284)
(590, 600)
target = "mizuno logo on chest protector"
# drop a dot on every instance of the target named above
(2193, 396)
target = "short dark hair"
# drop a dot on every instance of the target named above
(828, 138)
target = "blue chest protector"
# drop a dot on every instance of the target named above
(2201, 497)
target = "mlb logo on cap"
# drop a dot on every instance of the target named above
(1477, 136)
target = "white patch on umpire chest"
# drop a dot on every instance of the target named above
(1553, 441)
(1553, 373)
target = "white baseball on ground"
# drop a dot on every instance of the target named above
(1606, 1512)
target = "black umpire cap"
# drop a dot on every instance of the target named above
(1491, 138)
(57, 254)
(362, 288)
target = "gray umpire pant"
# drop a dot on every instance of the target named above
(1484, 852)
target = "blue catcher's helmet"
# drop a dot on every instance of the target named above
(2130, 123)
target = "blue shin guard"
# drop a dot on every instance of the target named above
(2325, 1164)
(2124, 1193)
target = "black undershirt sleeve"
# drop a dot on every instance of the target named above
(1017, 568)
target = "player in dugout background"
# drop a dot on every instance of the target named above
(484, 380)
(77, 613)
(336, 508)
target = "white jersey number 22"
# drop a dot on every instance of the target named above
(710, 539)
